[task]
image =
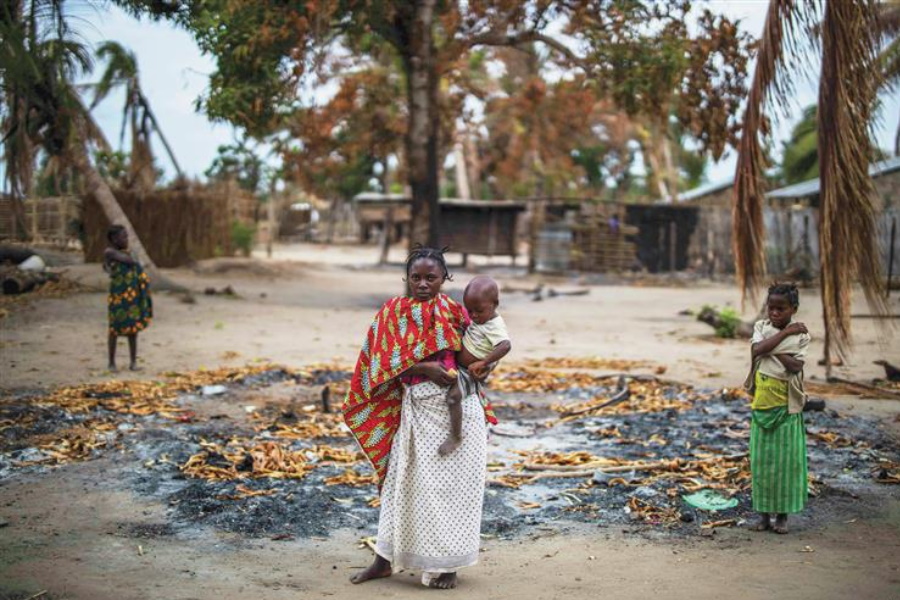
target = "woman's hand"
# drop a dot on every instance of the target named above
(435, 372)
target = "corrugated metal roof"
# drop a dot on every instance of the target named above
(804, 189)
(379, 198)
(705, 190)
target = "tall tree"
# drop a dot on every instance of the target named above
(847, 90)
(264, 49)
(40, 57)
(660, 74)
(122, 71)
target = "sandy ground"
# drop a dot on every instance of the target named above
(311, 304)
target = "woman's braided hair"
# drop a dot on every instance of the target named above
(788, 290)
(419, 252)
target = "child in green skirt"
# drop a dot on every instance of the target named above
(777, 434)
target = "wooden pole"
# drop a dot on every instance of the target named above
(386, 235)
(890, 272)
(673, 232)
(270, 208)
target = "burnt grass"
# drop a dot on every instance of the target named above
(150, 450)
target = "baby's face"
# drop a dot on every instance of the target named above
(481, 308)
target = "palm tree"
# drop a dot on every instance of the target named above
(40, 56)
(122, 70)
(849, 40)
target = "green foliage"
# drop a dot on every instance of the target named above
(800, 160)
(112, 165)
(239, 162)
(726, 324)
(242, 237)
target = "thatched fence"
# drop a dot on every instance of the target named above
(176, 226)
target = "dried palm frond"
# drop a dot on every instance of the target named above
(780, 51)
(848, 234)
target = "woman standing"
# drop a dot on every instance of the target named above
(430, 504)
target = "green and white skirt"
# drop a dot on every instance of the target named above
(778, 461)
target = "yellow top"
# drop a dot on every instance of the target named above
(770, 392)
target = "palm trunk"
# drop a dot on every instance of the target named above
(422, 137)
(96, 187)
(162, 138)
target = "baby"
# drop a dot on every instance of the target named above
(485, 342)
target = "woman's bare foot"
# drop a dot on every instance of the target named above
(780, 525)
(449, 446)
(763, 524)
(444, 581)
(378, 569)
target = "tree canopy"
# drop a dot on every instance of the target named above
(636, 58)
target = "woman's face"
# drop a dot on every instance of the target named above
(425, 279)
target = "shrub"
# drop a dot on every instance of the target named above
(242, 236)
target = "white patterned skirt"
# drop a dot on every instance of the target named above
(431, 504)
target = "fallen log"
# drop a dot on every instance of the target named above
(865, 386)
(622, 394)
(584, 470)
(19, 282)
(714, 318)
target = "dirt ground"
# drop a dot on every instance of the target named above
(72, 532)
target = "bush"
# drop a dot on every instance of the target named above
(242, 236)
(726, 322)
(729, 321)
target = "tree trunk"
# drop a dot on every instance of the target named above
(671, 171)
(96, 187)
(462, 176)
(652, 163)
(473, 164)
(162, 138)
(422, 135)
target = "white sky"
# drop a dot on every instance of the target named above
(174, 74)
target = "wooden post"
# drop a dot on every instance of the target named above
(34, 219)
(890, 272)
(386, 235)
(537, 221)
(673, 233)
(63, 220)
(270, 209)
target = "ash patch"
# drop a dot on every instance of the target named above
(300, 509)
(147, 531)
(845, 456)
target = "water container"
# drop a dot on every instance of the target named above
(554, 246)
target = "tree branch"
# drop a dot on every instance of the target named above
(500, 38)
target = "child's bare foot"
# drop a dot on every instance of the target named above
(763, 524)
(378, 569)
(780, 525)
(444, 581)
(134, 367)
(112, 368)
(449, 446)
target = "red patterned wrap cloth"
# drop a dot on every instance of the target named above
(404, 332)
